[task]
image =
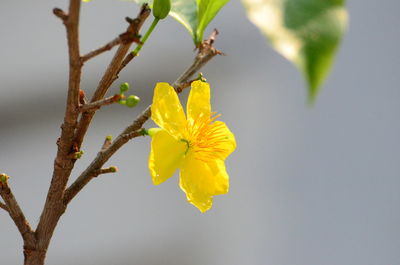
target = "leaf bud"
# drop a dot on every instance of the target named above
(132, 101)
(161, 8)
(124, 87)
(78, 155)
(3, 178)
(152, 131)
(113, 169)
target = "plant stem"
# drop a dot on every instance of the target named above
(146, 36)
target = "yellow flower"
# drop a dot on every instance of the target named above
(197, 145)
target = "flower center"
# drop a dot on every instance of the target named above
(206, 139)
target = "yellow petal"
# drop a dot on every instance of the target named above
(167, 110)
(200, 181)
(199, 101)
(224, 142)
(166, 156)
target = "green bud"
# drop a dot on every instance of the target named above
(109, 138)
(132, 101)
(123, 87)
(113, 169)
(122, 102)
(201, 78)
(78, 155)
(3, 178)
(161, 8)
(152, 131)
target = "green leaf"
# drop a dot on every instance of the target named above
(208, 9)
(194, 15)
(306, 32)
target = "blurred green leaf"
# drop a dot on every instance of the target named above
(194, 15)
(306, 32)
(208, 9)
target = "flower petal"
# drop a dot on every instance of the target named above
(199, 101)
(167, 111)
(225, 142)
(166, 156)
(200, 181)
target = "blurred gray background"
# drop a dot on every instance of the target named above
(309, 186)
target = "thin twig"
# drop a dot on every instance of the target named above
(126, 37)
(58, 12)
(15, 212)
(109, 75)
(107, 142)
(205, 54)
(102, 157)
(98, 104)
(3, 206)
(102, 49)
(106, 170)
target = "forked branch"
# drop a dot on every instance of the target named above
(126, 37)
(110, 74)
(206, 53)
(14, 210)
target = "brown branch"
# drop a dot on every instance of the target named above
(102, 49)
(125, 62)
(205, 54)
(3, 206)
(106, 170)
(11, 205)
(109, 75)
(126, 37)
(93, 169)
(63, 163)
(98, 104)
(58, 12)
(107, 142)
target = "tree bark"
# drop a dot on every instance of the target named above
(34, 257)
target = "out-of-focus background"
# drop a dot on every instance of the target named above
(309, 186)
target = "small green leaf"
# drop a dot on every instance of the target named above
(306, 32)
(194, 15)
(208, 9)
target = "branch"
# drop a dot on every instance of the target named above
(206, 53)
(64, 163)
(98, 104)
(94, 169)
(102, 49)
(12, 207)
(106, 171)
(58, 12)
(3, 206)
(126, 37)
(109, 76)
